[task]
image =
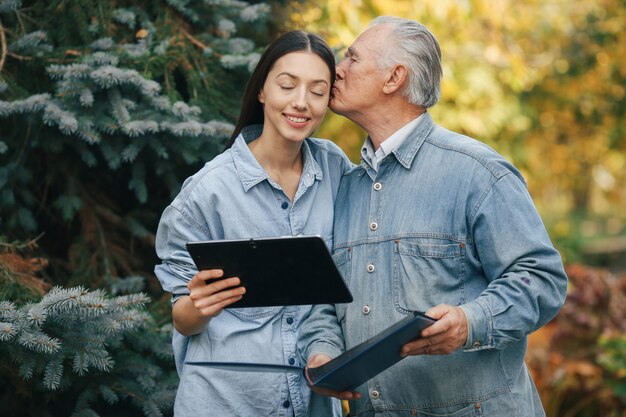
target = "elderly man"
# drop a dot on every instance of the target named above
(433, 221)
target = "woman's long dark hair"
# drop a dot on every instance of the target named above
(294, 41)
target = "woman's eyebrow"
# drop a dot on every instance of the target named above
(288, 74)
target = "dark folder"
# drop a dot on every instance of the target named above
(291, 270)
(355, 366)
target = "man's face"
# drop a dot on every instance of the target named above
(359, 84)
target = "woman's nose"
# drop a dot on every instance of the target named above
(300, 101)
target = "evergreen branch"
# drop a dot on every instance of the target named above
(100, 359)
(20, 57)
(79, 364)
(39, 342)
(108, 394)
(86, 412)
(37, 314)
(52, 374)
(26, 369)
(8, 311)
(198, 43)
(7, 331)
(3, 42)
(27, 245)
(118, 221)
(151, 409)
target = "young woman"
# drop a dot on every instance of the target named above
(272, 180)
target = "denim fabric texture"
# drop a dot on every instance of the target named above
(233, 197)
(444, 220)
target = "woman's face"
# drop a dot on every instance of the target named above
(295, 96)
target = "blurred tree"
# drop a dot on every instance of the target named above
(541, 82)
(579, 359)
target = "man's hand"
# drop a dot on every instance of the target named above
(211, 297)
(445, 336)
(319, 360)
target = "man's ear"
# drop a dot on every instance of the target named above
(395, 79)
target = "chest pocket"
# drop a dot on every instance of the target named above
(427, 274)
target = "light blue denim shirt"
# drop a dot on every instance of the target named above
(444, 220)
(233, 197)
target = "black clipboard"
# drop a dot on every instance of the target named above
(281, 271)
(355, 366)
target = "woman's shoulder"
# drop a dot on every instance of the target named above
(214, 172)
(326, 147)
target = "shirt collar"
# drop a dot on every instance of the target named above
(389, 145)
(252, 173)
(405, 148)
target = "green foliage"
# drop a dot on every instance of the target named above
(613, 360)
(579, 359)
(105, 108)
(137, 90)
(83, 351)
(18, 274)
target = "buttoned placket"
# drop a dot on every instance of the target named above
(292, 403)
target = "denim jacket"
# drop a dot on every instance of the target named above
(444, 220)
(233, 197)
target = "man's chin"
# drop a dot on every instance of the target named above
(336, 108)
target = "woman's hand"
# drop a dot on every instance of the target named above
(319, 360)
(211, 297)
(206, 299)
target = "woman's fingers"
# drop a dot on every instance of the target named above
(201, 300)
(215, 309)
(210, 297)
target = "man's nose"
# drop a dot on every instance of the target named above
(339, 71)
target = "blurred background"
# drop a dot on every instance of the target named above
(107, 106)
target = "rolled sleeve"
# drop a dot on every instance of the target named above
(176, 228)
(321, 333)
(171, 282)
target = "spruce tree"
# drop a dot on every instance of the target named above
(105, 108)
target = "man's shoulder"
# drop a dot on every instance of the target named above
(470, 150)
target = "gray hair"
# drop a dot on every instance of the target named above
(416, 48)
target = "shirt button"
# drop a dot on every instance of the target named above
(371, 268)
(373, 226)
(291, 361)
(476, 344)
(289, 320)
(286, 404)
(375, 394)
(377, 186)
(284, 205)
(366, 309)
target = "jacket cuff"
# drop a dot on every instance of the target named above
(479, 326)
